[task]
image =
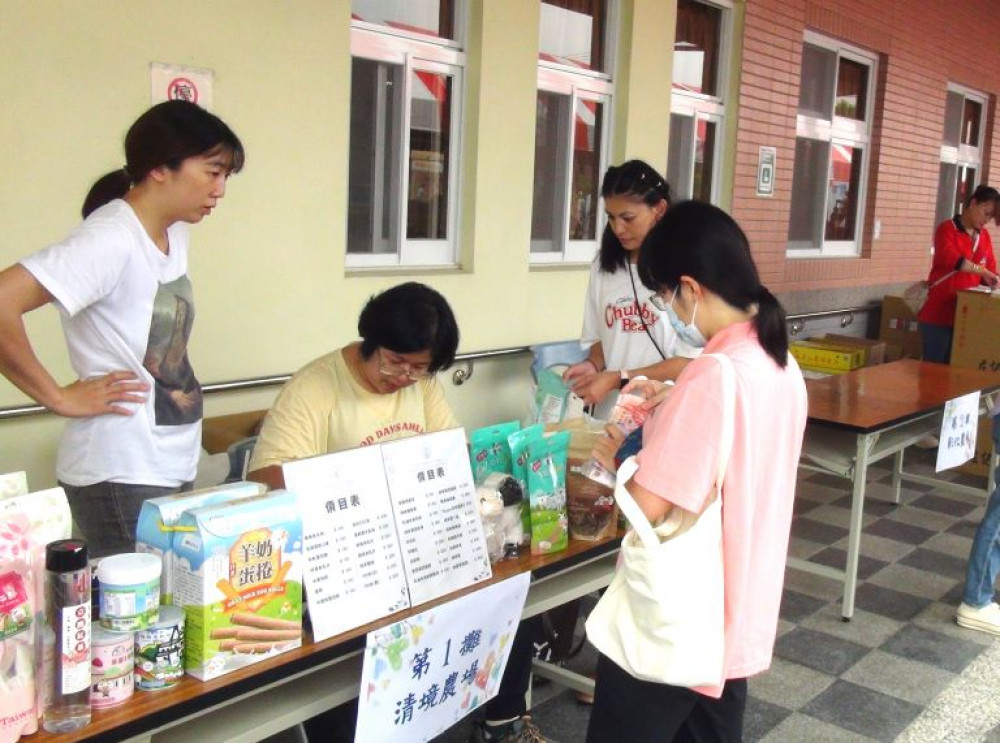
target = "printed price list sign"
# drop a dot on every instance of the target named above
(353, 567)
(433, 495)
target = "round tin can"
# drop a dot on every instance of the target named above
(130, 591)
(159, 651)
(111, 676)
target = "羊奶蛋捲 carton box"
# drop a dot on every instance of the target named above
(238, 576)
(159, 516)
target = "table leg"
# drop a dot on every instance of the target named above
(854, 535)
(897, 476)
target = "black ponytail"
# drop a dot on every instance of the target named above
(108, 187)
(772, 332)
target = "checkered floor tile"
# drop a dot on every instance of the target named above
(871, 678)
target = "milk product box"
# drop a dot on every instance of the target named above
(237, 573)
(159, 516)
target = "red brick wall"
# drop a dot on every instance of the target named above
(922, 46)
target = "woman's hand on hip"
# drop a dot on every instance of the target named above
(102, 395)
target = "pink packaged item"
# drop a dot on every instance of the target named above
(27, 523)
(628, 414)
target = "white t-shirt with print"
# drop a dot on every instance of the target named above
(125, 305)
(613, 317)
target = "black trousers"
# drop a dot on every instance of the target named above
(627, 709)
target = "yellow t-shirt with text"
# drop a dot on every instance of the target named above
(324, 409)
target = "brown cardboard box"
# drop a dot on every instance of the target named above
(899, 326)
(875, 350)
(976, 345)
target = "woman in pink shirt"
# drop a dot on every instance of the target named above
(698, 261)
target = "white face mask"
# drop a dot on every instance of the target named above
(689, 332)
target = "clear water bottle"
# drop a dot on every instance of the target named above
(67, 602)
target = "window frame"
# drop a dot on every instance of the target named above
(580, 85)
(705, 107)
(845, 132)
(414, 53)
(962, 155)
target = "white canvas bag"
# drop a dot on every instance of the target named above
(662, 618)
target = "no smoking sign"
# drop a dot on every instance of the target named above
(173, 83)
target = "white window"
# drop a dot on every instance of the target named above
(406, 101)
(697, 109)
(833, 133)
(961, 151)
(572, 119)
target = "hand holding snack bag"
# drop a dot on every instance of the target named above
(629, 413)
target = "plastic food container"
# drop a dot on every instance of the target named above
(130, 591)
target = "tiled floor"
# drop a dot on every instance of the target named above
(901, 669)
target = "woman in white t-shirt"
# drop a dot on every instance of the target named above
(625, 334)
(119, 281)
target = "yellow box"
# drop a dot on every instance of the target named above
(827, 356)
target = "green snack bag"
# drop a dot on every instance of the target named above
(490, 450)
(519, 441)
(550, 397)
(547, 493)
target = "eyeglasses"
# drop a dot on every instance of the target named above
(660, 303)
(397, 370)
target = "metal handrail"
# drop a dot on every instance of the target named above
(465, 362)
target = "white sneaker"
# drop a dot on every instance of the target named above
(986, 619)
(930, 441)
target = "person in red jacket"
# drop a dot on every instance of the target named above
(963, 259)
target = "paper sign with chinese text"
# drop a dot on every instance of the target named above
(957, 441)
(424, 674)
(353, 567)
(437, 518)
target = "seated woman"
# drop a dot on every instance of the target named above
(371, 391)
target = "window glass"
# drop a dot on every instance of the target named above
(678, 157)
(953, 118)
(547, 223)
(376, 91)
(852, 90)
(816, 90)
(427, 17)
(808, 192)
(842, 196)
(430, 125)
(966, 185)
(971, 115)
(586, 170)
(704, 155)
(571, 32)
(696, 49)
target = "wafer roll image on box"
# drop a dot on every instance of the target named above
(238, 576)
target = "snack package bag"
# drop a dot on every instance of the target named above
(27, 523)
(238, 576)
(547, 493)
(489, 450)
(158, 519)
(519, 441)
(629, 415)
(13, 483)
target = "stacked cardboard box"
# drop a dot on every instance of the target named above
(976, 345)
(899, 330)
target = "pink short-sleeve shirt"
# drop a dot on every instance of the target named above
(678, 462)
